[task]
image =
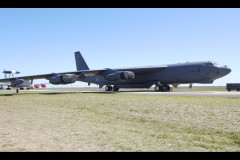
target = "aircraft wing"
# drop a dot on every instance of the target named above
(47, 76)
(137, 70)
(41, 76)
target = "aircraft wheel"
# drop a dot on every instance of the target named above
(115, 89)
(157, 88)
(108, 88)
(164, 88)
(168, 88)
(17, 90)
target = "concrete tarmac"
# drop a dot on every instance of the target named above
(232, 94)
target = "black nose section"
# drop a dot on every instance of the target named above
(225, 71)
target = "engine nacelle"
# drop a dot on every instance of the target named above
(63, 79)
(16, 82)
(120, 75)
(43, 85)
(36, 86)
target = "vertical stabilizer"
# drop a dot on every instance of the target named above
(80, 62)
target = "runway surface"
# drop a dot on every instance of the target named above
(232, 94)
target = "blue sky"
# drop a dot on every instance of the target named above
(39, 41)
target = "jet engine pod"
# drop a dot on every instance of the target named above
(43, 85)
(36, 86)
(128, 75)
(120, 75)
(63, 79)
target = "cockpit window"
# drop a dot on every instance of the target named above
(210, 64)
(215, 64)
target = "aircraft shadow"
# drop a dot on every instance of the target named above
(92, 92)
(113, 92)
(56, 93)
(11, 94)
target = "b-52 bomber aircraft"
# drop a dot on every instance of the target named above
(138, 77)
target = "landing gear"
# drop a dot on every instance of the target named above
(9, 88)
(108, 88)
(158, 88)
(167, 88)
(162, 88)
(17, 90)
(115, 89)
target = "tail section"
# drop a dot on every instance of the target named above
(80, 62)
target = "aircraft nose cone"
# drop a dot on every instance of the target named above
(225, 71)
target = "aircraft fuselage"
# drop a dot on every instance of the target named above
(184, 73)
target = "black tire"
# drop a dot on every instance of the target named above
(108, 88)
(164, 88)
(157, 88)
(168, 88)
(228, 89)
(115, 89)
(17, 90)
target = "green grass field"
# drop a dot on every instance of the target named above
(117, 122)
